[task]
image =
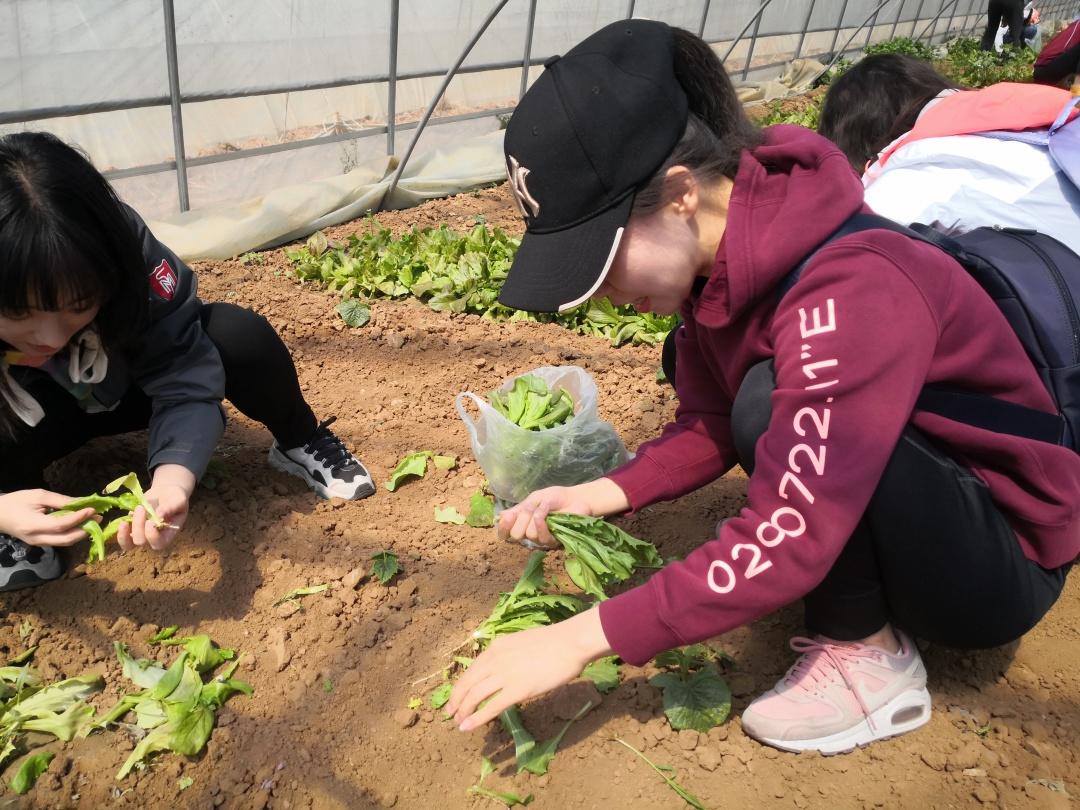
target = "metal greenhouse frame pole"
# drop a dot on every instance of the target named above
(630, 8)
(896, 22)
(391, 86)
(806, 24)
(745, 28)
(839, 25)
(174, 104)
(704, 17)
(933, 23)
(438, 97)
(527, 56)
(753, 42)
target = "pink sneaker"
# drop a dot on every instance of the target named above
(839, 695)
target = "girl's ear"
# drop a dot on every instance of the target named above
(682, 191)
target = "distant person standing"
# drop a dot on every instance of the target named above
(1013, 12)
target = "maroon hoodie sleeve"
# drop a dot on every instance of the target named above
(853, 343)
(693, 450)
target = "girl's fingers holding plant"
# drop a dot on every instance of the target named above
(123, 537)
(62, 522)
(138, 526)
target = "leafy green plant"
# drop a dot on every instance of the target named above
(695, 695)
(529, 756)
(175, 708)
(31, 768)
(683, 793)
(599, 554)
(902, 45)
(973, 67)
(481, 511)
(414, 465)
(353, 312)
(454, 273)
(385, 566)
(297, 593)
(108, 501)
(835, 71)
(449, 514)
(27, 704)
(604, 673)
(504, 798)
(529, 404)
(527, 606)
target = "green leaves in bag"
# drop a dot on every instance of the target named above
(531, 405)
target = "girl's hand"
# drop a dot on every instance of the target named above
(523, 665)
(169, 494)
(526, 523)
(24, 514)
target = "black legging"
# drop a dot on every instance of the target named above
(1058, 68)
(931, 555)
(260, 380)
(1013, 11)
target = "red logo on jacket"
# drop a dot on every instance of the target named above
(163, 281)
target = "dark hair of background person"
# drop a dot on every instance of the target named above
(717, 129)
(65, 241)
(876, 101)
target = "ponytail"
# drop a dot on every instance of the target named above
(717, 129)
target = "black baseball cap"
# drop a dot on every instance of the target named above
(595, 126)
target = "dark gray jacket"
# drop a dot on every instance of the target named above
(173, 362)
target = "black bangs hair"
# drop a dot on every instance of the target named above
(66, 242)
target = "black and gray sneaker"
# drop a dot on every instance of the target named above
(25, 566)
(326, 465)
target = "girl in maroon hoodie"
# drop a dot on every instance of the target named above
(641, 180)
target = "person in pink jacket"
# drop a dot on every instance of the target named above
(641, 180)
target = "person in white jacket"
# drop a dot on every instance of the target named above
(955, 182)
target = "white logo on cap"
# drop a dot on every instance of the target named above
(522, 197)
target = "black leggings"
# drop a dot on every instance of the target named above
(931, 555)
(1058, 68)
(1013, 12)
(260, 380)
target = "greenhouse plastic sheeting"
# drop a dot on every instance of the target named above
(295, 211)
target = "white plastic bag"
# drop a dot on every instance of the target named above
(517, 461)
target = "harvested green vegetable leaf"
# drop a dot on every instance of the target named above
(184, 782)
(31, 768)
(684, 794)
(205, 654)
(508, 799)
(385, 566)
(296, 593)
(481, 511)
(528, 754)
(440, 695)
(413, 465)
(604, 673)
(697, 700)
(415, 703)
(449, 514)
(23, 657)
(527, 606)
(599, 554)
(354, 313)
(444, 462)
(164, 633)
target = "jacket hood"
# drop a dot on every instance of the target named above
(790, 194)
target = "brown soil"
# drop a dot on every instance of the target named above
(326, 726)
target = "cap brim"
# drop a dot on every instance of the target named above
(554, 272)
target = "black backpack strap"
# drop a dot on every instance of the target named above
(854, 224)
(974, 409)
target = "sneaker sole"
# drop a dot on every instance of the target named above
(905, 712)
(279, 461)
